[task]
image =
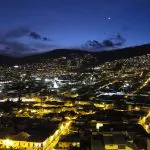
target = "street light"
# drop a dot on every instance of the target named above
(146, 127)
(8, 143)
(61, 127)
(56, 132)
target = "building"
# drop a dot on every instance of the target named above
(109, 141)
(68, 142)
(115, 142)
(34, 135)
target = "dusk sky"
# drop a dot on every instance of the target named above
(28, 26)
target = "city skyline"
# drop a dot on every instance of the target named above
(74, 74)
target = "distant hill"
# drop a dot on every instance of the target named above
(99, 57)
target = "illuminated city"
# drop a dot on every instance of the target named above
(74, 74)
(54, 104)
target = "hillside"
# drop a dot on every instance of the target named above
(93, 57)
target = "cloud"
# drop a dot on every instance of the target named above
(107, 43)
(46, 39)
(14, 47)
(17, 33)
(114, 42)
(118, 40)
(24, 32)
(11, 43)
(37, 36)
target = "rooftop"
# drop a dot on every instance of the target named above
(31, 130)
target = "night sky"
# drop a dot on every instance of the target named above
(31, 26)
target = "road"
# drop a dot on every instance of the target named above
(142, 122)
(110, 83)
(51, 142)
(138, 89)
(143, 85)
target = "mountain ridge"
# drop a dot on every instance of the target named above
(100, 55)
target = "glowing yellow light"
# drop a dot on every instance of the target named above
(99, 125)
(33, 111)
(8, 142)
(44, 142)
(136, 108)
(56, 132)
(62, 127)
(67, 124)
(51, 137)
(144, 119)
(20, 111)
(146, 127)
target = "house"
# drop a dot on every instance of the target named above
(68, 142)
(115, 142)
(110, 141)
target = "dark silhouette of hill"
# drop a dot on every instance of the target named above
(97, 57)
